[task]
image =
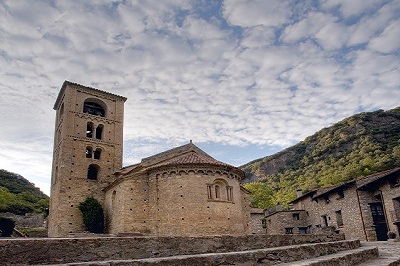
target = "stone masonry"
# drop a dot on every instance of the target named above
(183, 191)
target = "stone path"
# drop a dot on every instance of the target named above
(389, 253)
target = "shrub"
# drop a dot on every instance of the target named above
(93, 217)
(6, 226)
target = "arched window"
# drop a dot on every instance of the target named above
(89, 130)
(99, 131)
(217, 192)
(92, 172)
(229, 193)
(96, 154)
(93, 109)
(89, 152)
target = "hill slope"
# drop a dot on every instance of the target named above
(359, 145)
(17, 184)
(19, 196)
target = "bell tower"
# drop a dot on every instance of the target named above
(87, 151)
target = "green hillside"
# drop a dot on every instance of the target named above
(19, 196)
(359, 145)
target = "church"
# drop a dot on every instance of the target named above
(179, 192)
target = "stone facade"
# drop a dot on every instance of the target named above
(183, 191)
(365, 208)
(257, 225)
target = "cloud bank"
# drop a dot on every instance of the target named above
(226, 74)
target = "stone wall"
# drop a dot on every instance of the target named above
(29, 220)
(176, 202)
(334, 205)
(287, 222)
(256, 224)
(66, 250)
(391, 203)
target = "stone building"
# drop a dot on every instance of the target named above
(257, 225)
(183, 191)
(365, 208)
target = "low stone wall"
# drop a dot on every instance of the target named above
(66, 250)
(29, 220)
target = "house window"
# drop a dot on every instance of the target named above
(339, 219)
(324, 220)
(99, 131)
(340, 194)
(288, 230)
(303, 230)
(92, 172)
(296, 216)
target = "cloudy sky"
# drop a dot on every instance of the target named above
(241, 78)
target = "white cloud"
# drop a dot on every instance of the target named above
(256, 12)
(250, 73)
(389, 40)
(307, 27)
(351, 8)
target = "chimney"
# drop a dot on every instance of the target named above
(299, 193)
(278, 207)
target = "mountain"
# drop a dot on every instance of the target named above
(19, 196)
(17, 184)
(362, 144)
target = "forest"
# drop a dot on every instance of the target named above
(19, 196)
(359, 145)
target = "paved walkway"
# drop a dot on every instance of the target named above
(388, 252)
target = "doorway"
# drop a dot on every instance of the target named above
(379, 221)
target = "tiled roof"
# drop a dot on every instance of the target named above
(366, 180)
(188, 154)
(325, 190)
(360, 182)
(194, 158)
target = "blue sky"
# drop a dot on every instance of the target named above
(242, 79)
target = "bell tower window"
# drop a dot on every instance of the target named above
(92, 172)
(96, 154)
(99, 131)
(89, 152)
(89, 130)
(93, 109)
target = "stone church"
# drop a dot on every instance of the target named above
(179, 192)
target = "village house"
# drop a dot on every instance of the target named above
(366, 208)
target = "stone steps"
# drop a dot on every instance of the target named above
(359, 256)
(347, 252)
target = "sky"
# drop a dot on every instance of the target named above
(243, 79)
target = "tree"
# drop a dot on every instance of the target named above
(261, 195)
(93, 216)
